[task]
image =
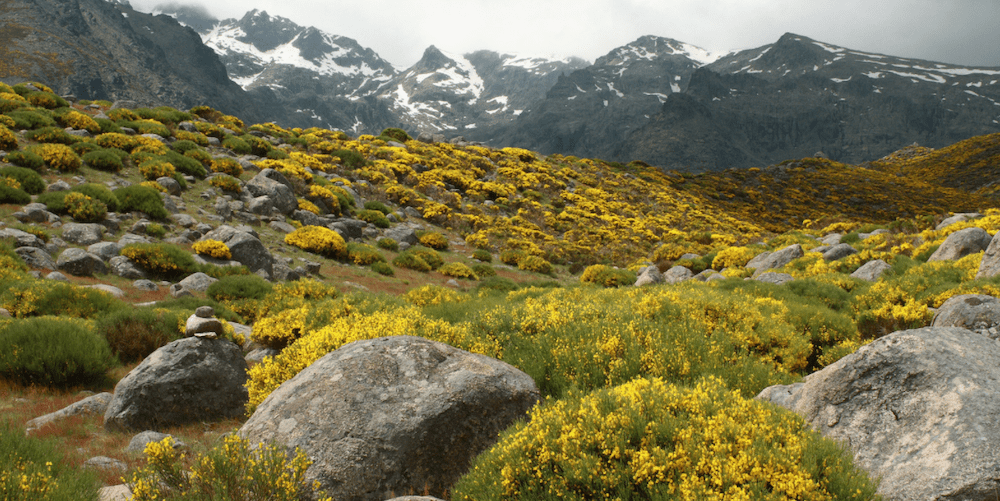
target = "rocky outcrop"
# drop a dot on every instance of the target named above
(80, 263)
(961, 244)
(918, 408)
(872, 270)
(245, 247)
(775, 259)
(397, 414)
(976, 312)
(95, 404)
(189, 380)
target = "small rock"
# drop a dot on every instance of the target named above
(205, 312)
(145, 285)
(138, 442)
(178, 290)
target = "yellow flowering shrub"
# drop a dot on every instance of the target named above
(648, 439)
(212, 248)
(117, 140)
(235, 469)
(308, 206)
(155, 169)
(434, 240)
(5, 120)
(433, 294)
(535, 264)
(85, 209)
(226, 182)
(226, 165)
(319, 240)
(733, 256)
(458, 270)
(606, 276)
(78, 120)
(58, 156)
(8, 141)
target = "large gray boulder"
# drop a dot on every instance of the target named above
(957, 218)
(22, 238)
(976, 312)
(777, 259)
(281, 195)
(990, 265)
(677, 274)
(80, 263)
(396, 414)
(872, 270)
(82, 233)
(402, 233)
(126, 268)
(649, 275)
(246, 248)
(961, 244)
(918, 408)
(36, 258)
(839, 251)
(94, 404)
(198, 282)
(187, 381)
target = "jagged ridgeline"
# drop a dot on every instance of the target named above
(614, 363)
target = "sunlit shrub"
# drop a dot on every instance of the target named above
(434, 240)
(648, 439)
(535, 264)
(388, 244)
(226, 165)
(458, 270)
(161, 260)
(27, 179)
(58, 156)
(363, 254)
(53, 352)
(374, 217)
(212, 248)
(77, 120)
(103, 159)
(411, 261)
(142, 199)
(85, 209)
(155, 169)
(26, 159)
(319, 240)
(135, 333)
(432, 294)
(226, 182)
(8, 141)
(606, 276)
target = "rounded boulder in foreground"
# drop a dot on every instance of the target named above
(393, 415)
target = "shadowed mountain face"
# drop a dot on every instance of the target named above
(96, 49)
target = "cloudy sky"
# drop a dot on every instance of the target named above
(953, 31)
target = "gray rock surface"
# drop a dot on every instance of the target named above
(110, 289)
(189, 380)
(990, 265)
(648, 276)
(198, 282)
(126, 268)
(919, 408)
(145, 285)
(957, 218)
(36, 258)
(872, 270)
(281, 195)
(105, 250)
(776, 259)
(139, 441)
(839, 251)
(402, 233)
(961, 244)
(82, 234)
(94, 404)
(80, 263)
(396, 414)
(170, 184)
(22, 238)
(774, 278)
(677, 274)
(976, 312)
(203, 327)
(245, 247)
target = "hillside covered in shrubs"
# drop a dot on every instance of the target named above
(529, 259)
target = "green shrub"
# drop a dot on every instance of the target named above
(27, 159)
(163, 114)
(277, 154)
(14, 196)
(99, 192)
(228, 166)
(430, 256)
(53, 352)
(103, 159)
(161, 260)
(146, 126)
(411, 261)
(535, 264)
(382, 268)
(8, 141)
(55, 201)
(258, 146)
(34, 230)
(184, 164)
(239, 146)
(397, 134)
(31, 119)
(388, 244)
(134, 333)
(484, 270)
(201, 156)
(563, 450)
(46, 100)
(363, 254)
(239, 287)
(458, 270)
(379, 206)
(606, 276)
(32, 468)
(350, 158)
(32, 298)
(107, 125)
(155, 230)
(482, 255)
(319, 240)
(434, 240)
(11, 105)
(58, 156)
(512, 257)
(374, 217)
(83, 147)
(30, 181)
(85, 209)
(225, 182)
(51, 135)
(142, 199)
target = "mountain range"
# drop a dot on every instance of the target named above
(658, 100)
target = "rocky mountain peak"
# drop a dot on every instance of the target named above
(194, 16)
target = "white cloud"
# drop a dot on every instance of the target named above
(954, 31)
